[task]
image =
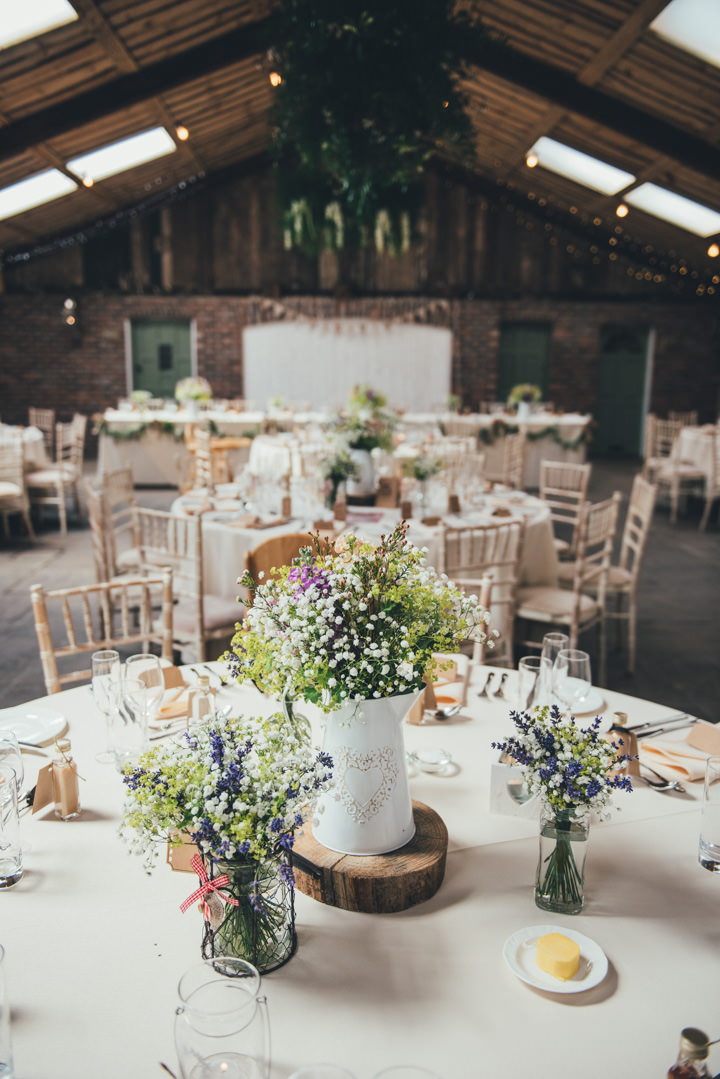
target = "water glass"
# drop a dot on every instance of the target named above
(6, 1055)
(129, 725)
(571, 677)
(11, 864)
(528, 684)
(552, 643)
(709, 849)
(10, 753)
(221, 1026)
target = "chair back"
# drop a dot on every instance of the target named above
(44, 420)
(122, 536)
(687, 419)
(97, 520)
(514, 447)
(637, 525)
(564, 487)
(11, 463)
(596, 535)
(664, 435)
(204, 478)
(109, 614)
(492, 551)
(273, 553)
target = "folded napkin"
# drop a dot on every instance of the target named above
(175, 705)
(674, 760)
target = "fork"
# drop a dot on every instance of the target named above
(499, 691)
(484, 691)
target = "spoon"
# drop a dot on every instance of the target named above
(445, 713)
(484, 691)
(660, 783)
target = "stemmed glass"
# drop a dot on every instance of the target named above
(571, 677)
(552, 643)
(142, 689)
(106, 683)
(11, 754)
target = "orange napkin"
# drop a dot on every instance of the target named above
(175, 705)
(674, 760)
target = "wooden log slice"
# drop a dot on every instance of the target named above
(380, 883)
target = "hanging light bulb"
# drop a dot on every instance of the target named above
(713, 251)
(182, 132)
(275, 78)
(531, 160)
(87, 181)
(622, 210)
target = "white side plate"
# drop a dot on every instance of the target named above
(37, 723)
(519, 953)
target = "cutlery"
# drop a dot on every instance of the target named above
(499, 692)
(445, 713)
(680, 719)
(484, 691)
(660, 783)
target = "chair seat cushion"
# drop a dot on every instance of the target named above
(618, 580)
(218, 613)
(9, 490)
(683, 469)
(128, 559)
(552, 605)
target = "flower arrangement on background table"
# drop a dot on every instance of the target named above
(193, 388)
(350, 621)
(366, 423)
(525, 392)
(574, 771)
(337, 470)
(239, 789)
(422, 468)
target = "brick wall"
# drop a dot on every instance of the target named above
(45, 363)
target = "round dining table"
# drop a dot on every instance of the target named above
(95, 946)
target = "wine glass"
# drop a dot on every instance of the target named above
(571, 677)
(552, 643)
(145, 667)
(106, 680)
(129, 730)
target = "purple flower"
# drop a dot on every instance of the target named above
(308, 576)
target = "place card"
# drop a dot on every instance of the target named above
(704, 736)
(388, 491)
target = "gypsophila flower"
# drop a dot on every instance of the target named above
(238, 788)
(351, 621)
(568, 766)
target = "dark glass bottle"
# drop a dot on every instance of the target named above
(694, 1048)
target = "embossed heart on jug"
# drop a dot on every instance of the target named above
(363, 784)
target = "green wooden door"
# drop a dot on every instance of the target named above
(524, 356)
(161, 354)
(623, 361)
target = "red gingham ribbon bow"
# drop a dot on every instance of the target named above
(207, 885)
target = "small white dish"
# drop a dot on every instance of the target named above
(519, 954)
(38, 724)
(593, 701)
(430, 759)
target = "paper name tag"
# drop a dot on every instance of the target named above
(704, 736)
(179, 856)
(44, 789)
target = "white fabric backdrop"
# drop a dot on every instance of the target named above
(319, 362)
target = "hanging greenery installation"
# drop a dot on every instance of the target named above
(370, 91)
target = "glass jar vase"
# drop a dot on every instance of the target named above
(259, 926)
(560, 881)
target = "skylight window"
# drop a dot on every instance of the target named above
(29, 19)
(585, 170)
(675, 208)
(44, 187)
(122, 155)
(692, 25)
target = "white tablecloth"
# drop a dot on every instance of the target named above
(34, 455)
(225, 545)
(696, 445)
(95, 947)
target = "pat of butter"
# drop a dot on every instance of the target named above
(558, 956)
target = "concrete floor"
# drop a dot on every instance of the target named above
(678, 661)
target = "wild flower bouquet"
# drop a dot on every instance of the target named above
(350, 621)
(573, 770)
(240, 789)
(193, 388)
(366, 424)
(423, 468)
(524, 391)
(337, 470)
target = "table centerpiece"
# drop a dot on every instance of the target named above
(239, 789)
(365, 425)
(574, 770)
(353, 628)
(192, 392)
(522, 396)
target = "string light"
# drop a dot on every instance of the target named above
(182, 132)
(531, 160)
(713, 251)
(87, 181)
(275, 78)
(622, 210)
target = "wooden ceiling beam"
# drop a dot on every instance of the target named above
(571, 95)
(135, 87)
